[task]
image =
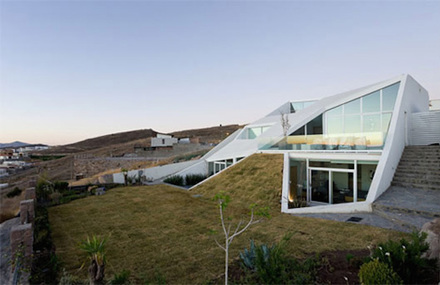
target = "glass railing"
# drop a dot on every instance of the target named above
(348, 141)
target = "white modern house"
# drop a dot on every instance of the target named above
(340, 152)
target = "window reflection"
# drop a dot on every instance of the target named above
(371, 103)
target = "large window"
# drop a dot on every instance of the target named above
(314, 127)
(253, 132)
(296, 106)
(328, 181)
(366, 118)
(361, 124)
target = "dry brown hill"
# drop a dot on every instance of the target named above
(208, 135)
(103, 141)
(121, 143)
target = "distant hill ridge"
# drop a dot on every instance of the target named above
(207, 135)
(13, 144)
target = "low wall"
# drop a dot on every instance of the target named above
(155, 173)
(22, 240)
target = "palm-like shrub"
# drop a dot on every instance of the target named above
(95, 249)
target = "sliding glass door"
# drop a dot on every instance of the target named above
(332, 185)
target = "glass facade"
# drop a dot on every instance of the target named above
(296, 106)
(253, 132)
(330, 182)
(361, 124)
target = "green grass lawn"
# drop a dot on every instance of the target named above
(165, 230)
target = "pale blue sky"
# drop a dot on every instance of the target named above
(72, 70)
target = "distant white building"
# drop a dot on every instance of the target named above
(34, 147)
(162, 140)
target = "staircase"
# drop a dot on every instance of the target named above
(419, 168)
(414, 196)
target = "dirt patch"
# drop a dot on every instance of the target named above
(342, 266)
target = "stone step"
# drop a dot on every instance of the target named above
(419, 170)
(415, 185)
(426, 152)
(419, 164)
(423, 175)
(421, 160)
(428, 156)
(417, 181)
(434, 154)
(418, 147)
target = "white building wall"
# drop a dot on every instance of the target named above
(161, 142)
(424, 128)
(412, 98)
(157, 172)
(201, 167)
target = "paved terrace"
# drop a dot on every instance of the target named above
(400, 209)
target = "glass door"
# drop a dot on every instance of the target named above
(342, 187)
(320, 186)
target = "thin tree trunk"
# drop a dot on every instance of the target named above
(226, 262)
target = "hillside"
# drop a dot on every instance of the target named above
(13, 144)
(102, 141)
(120, 143)
(208, 135)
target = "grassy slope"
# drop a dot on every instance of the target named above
(257, 179)
(163, 229)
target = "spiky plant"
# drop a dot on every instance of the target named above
(95, 249)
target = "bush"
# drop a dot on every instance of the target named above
(376, 272)
(175, 180)
(121, 278)
(44, 261)
(405, 258)
(193, 179)
(61, 186)
(15, 192)
(271, 265)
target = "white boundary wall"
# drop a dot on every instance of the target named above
(157, 172)
(425, 128)
(201, 167)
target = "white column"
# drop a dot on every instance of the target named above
(286, 184)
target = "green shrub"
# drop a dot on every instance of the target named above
(175, 180)
(61, 186)
(271, 265)
(121, 278)
(405, 258)
(44, 189)
(15, 192)
(376, 272)
(193, 179)
(44, 261)
(248, 257)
